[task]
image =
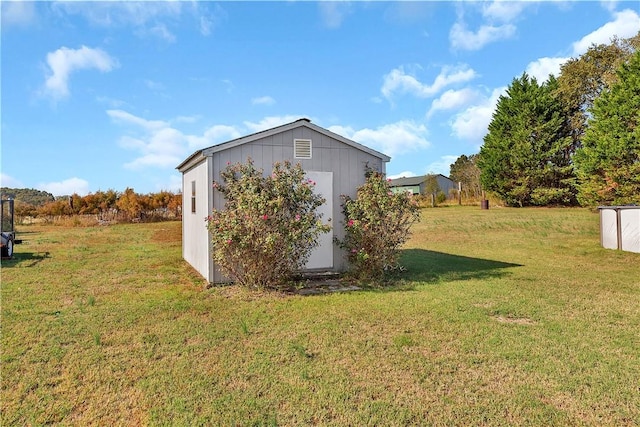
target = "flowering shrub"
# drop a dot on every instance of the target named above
(376, 224)
(269, 225)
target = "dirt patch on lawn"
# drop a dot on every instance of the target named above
(326, 286)
(515, 320)
(322, 283)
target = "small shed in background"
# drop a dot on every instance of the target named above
(620, 227)
(335, 163)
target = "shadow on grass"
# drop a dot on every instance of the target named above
(20, 232)
(429, 266)
(25, 259)
(422, 266)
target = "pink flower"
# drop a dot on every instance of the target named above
(350, 223)
(265, 217)
(353, 251)
(297, 217)
(229, 241)
(388, 179)
(228, 163)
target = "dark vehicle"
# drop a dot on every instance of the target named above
(8, 232)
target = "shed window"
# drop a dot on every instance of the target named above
(301, 148)
(193, 197)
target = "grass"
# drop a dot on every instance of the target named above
(504, 317)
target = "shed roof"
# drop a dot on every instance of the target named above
(412, 180)
(406, 182)
(303, 122)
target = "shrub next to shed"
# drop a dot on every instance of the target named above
(269, 225)
(377, 223)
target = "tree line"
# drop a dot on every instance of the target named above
(107, 205)
(571, 140)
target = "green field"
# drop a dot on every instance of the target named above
(504, 317)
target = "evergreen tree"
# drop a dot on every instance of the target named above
(583, 79)
(608, 164)
(526, 156)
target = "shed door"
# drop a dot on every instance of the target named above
(609, 228)
(630, 229)
(322, 256)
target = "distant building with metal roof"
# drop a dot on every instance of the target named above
(417, 184)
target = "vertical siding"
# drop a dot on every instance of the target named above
(630, 228)
(195, 242)
(328, 155)
(446, 184)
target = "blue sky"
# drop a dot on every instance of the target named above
(109, 95)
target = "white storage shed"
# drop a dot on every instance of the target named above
(335, 163)
(620, 227)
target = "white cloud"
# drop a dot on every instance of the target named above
(121, 116)
(452, 99)
(115, 14)
(498, 23)
(334, 12)
(625, 24)
(173, 183)
(461, 38)
(398, 81)
(214, 135)
(187, 119)
(66, 187)
(221, 133)
(395, 138)
(18, 13)
(153, 85)
(270, 122)
(206, 25)
(162, 148)
(409, 12)
(263, 100)
(541, 68)
(160, 31)
(473, 123)
(160, 145)
(131, 143)
(405, 174)
(442, 166)
(154, 160)
(9, 181)
(503, 11)
(209, 20)
(145, 17)
(64, 61)
(610, 5)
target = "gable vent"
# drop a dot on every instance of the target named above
(302, 148)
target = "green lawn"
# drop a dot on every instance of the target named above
(504, 317)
